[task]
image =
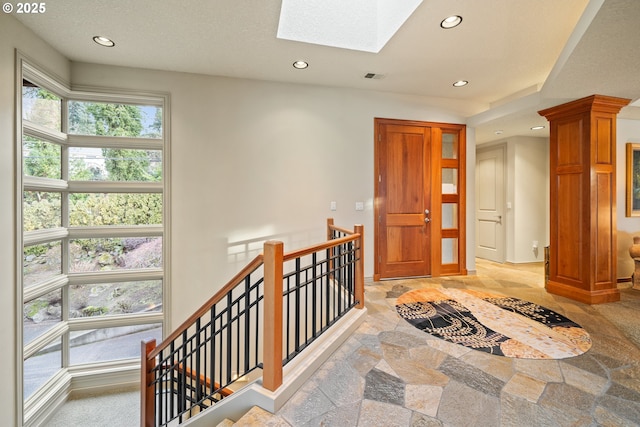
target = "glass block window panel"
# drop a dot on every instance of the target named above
(449, 181)
(96, 118)
(40, 263)
(41, 106)
(41, 158)
(41, 367)
(450, 251)
(41, 314)
(449, 215)
(112, 299)
(449, 146)
(111, 164)
(106, 344)
(41, 210)
(90, 255)
(95, 209)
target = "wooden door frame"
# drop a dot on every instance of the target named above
(436, 196)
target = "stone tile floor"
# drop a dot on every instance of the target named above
(392, 374)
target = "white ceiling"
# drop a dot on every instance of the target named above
(519, 55)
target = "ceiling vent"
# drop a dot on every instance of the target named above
(374, 76)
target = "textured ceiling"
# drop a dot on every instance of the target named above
(518, 55)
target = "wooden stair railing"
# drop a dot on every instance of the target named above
(261, 319)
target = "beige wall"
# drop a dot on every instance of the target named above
(258, 160)
(529, 181)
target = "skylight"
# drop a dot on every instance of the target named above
(365, 25)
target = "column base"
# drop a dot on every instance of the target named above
(581, 295)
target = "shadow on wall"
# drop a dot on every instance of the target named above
(241, 252)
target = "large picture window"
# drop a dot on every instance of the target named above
(94, 239)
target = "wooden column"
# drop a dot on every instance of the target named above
(583, 242)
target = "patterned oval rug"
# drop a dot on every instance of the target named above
(493, 323)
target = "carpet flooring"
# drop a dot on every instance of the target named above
(118, 408)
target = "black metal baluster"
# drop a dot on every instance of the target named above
(199, 391)
(213, 347)
(297, 306)
(173, 384)
(258, 324)
(247, 321)
(160, 379)
(314, 290)
(237, 321)
(229, 339)
(328, 289)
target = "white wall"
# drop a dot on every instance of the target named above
(530, 206)
(527, 194)
(258, 160)
(13, 35)
(626, 131)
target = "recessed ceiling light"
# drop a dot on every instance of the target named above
(460, 83)
(498, 132)
(300, 65)
(104, 41)
(451, 22)
(537, 127)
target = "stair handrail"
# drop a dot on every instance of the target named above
(149, 349)
(216, 298)
(272, 260)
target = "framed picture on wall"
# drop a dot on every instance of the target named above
(633, 179)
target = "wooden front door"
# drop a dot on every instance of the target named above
(403, 200)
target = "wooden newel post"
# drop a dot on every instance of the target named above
(359, 279)
(272, 350)
(147, 390)
(329, 231)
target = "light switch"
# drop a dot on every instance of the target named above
(359, 206)
(333, 206)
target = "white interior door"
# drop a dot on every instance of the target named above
(490, 195)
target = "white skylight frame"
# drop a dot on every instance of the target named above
(365, 25)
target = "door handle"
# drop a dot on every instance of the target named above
(427, 220)
(497, 220)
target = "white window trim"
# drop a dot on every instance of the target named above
(58, 388)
